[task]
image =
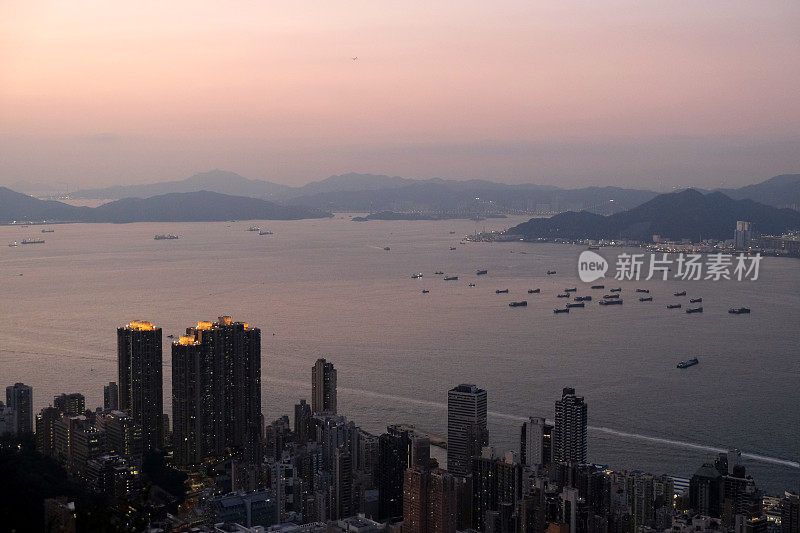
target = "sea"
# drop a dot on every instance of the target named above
(328, 288)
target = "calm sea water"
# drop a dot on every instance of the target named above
(328, 288)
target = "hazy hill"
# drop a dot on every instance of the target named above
(18, 206)
(687, 214)
(220, 181)
(184, 207)
(474, 196)
(780, 191)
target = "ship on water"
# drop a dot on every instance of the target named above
(481, 272)
(534, 291)
(451, 278)
(523, 303)
(689, 362)
(32, 241)
(162, 237)
(739, 310)
(694, 310)
(610, 302)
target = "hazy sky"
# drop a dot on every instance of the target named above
(648, 93)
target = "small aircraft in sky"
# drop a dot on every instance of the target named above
(354, 58)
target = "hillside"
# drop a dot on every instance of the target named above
(687, 214)
(199, 206)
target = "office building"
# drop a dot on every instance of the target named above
(140, 379)
(535, 443)
(467, 431)
(569, 433)
(19, 400)
(323, 388)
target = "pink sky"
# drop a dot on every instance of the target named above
(636, 92)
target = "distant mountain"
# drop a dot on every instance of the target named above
(347, 183)
(687, 214)
(474, 197)
(198, 206)
(780, 191)
(374, 192)
(220, 181)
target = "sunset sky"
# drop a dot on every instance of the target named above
(642, 93)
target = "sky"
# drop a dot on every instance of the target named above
(639, 93)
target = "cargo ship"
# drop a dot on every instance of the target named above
(610, 302)
(501, 291)
(523, 303)
(739, 310)
(694, 310)
(557, 310)
(32, 241)
(481, 272)
(534, 291)
(689, 362)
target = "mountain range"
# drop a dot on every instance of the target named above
(687, 214)
(197, 206)
(374, 193)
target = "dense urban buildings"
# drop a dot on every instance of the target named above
(324, 473)
(467, 431)
(140, 379)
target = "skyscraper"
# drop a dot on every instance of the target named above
(140, 379)
(495, 481)
(70, 404)
(569, 442)
(395, 453)
(343, 504)
(111, 396)
(216, 391)
(302, 422)
(466, 427)
(323, 388)
(19, 399)
(534, 441)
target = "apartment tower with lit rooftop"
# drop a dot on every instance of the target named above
(140, 379)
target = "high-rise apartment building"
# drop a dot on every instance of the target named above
(429, 501)
(19, 400)
(216, 391)
(302, 422)
(569, 439)
(111, 396)
(140, 379)
(70, 404)
(323, 387)
(495, 481)
(467, 432)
